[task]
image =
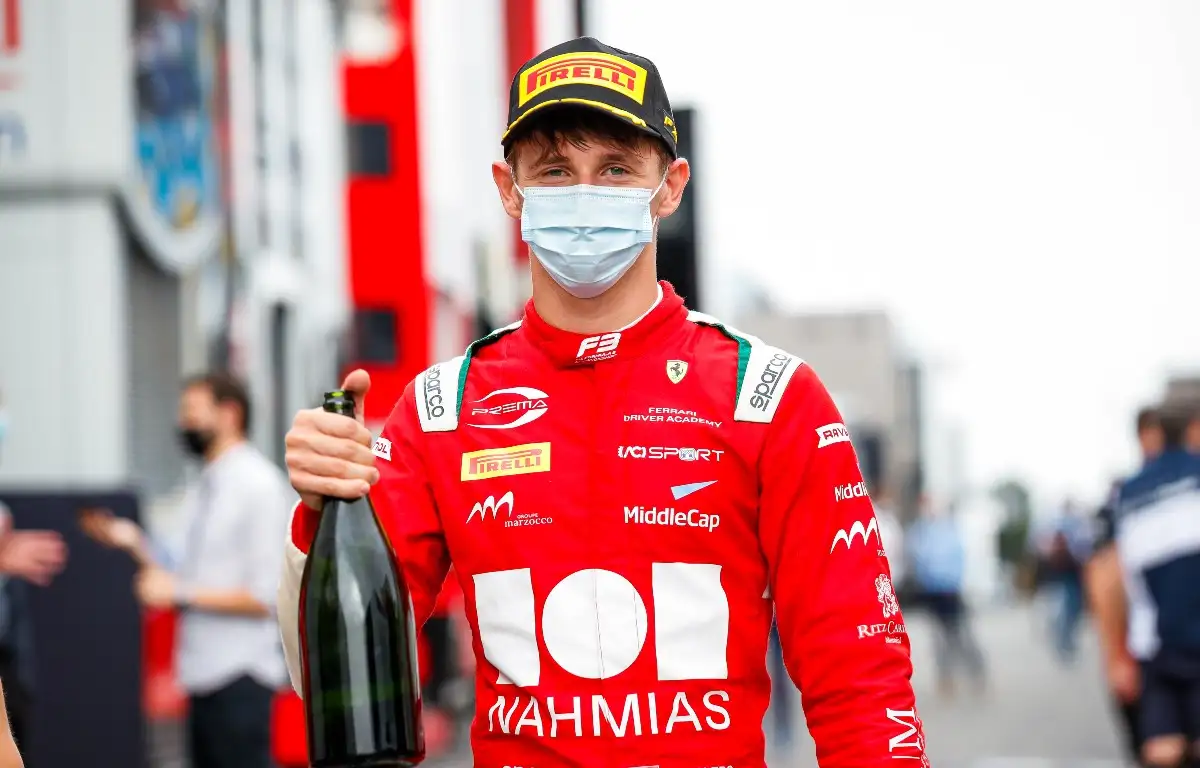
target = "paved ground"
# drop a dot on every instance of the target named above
(1035, 714)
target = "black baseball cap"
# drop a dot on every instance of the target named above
(587, 73)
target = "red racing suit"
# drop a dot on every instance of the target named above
(623, 512)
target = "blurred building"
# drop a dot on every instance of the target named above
(876, 386)
(1183, 389)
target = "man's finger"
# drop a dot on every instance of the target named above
(333, 487)
(339, 426)
(316, 465)
(358, 382)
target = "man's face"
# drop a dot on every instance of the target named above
(596, 162)
(202, 420)
(1191, 438)
(1151, 441)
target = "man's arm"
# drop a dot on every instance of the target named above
(404, 503)
(839, 622)
(1105, 588)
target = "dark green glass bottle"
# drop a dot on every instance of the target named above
(362, 688)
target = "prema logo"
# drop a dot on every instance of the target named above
(832, 433)
(491, 505)
(501, 462)
(858, 530)
(596, 348)
(530, 405)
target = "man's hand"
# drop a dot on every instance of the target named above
(1124, 677)
(36, 556)
(330, 455)
(156, 588)
(115, 532)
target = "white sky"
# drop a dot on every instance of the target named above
(1018, 182)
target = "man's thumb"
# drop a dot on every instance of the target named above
(358, 382)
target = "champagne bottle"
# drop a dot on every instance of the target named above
(362, 687)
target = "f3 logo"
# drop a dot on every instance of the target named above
(594, 623)
(598, 347)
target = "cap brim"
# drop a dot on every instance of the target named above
(513, 132)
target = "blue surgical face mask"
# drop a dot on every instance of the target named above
(585, 236)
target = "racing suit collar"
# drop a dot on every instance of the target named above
(566, 349)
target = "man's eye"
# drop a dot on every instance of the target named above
(556, 172)
(617, 170)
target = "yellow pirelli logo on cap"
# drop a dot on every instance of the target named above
(501, 462)
(601, 69)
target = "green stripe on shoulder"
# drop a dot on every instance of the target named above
(469, 355)
(743, 342)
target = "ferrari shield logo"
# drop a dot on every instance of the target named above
(676, 370)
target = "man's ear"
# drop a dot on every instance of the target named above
(510, 198)
(671, 193)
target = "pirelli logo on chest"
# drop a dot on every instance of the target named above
(602, 69)
(502, 462)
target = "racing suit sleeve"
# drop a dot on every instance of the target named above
(405, 506)
(839, 622)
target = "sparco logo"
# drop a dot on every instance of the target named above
(850, 491)
(433, 393)
(764, 390)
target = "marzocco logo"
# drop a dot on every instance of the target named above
(433, 393)
(857, 531)
(530, 406)
(764, 390)
(850, 491)
(658, 452)
(892, 630)
(492, 505)
(693, 518)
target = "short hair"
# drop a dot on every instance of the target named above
(225, 388)
(1148, 418)
(1174, 421)
(552, 129)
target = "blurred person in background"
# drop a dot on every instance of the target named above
(27, 558)
(935, 549)
(1114, 618)
(1157, 533)
(591, 166)
(1191, 438)
(222, 576)
(1067, 548)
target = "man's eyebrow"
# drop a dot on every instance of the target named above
(616, 156)
(549, 156)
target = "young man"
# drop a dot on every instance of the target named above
(223, 579)
(626, 489)
(1105, 589)
(1157, 533)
